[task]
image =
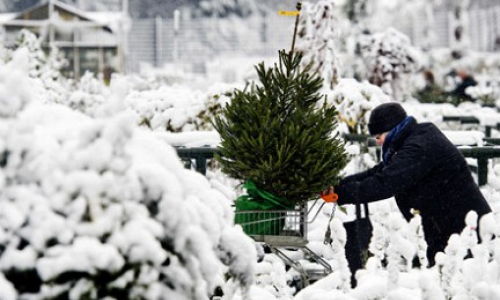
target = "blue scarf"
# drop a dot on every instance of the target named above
(387, 150)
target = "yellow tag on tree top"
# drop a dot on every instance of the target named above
(288, 13)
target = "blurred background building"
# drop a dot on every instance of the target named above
(127, 34)
(87, 40)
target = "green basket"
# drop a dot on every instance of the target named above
(260, 222)
(260, 212)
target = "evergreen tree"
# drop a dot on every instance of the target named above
(278, 135)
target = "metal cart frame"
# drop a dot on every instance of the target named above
(286, 229)
(290, 234)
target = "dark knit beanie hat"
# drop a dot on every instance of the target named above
(385, 117)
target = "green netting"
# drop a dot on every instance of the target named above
(254, 211)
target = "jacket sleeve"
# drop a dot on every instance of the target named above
(362, 175)
(407, 167)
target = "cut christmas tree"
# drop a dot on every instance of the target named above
(277, 137)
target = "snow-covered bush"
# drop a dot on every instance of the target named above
(167, 108)
(14, 94)
(389, 55)
(176, 108)
(46, 68)
(215, 98)
(88, 94)
(271, 276)
(318, 39)
(354, 100)
(96, 207)
(486, 92)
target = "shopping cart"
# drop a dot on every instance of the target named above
(280, 230)
(286, 230)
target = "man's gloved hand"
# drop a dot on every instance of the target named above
(329, 195)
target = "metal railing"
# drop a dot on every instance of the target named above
(197, 157)
(471, 120)
(482, 155)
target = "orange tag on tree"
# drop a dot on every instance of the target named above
(330, 197)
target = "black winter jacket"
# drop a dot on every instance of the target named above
(428, 173)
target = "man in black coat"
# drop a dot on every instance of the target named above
(423, 170)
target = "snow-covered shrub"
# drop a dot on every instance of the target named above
(88, 93)
(389, 55)
(400, 250)
(380, 239)
(175, 108)
(486, 92)
(96, 207)
(158, 98)
(271, 276)
(14, 91)
(354, 100)
(37, 58)
(318, 38)
(166, 108)
(468, 269)
(215, 98)
(47, 68)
